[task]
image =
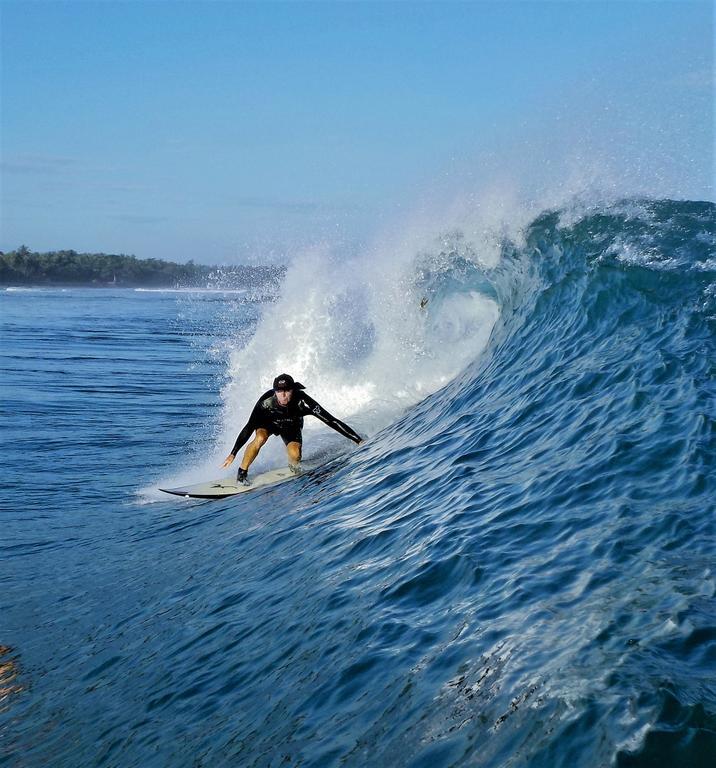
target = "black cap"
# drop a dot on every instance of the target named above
(283, 382)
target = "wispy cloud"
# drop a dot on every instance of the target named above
(291, 206)
(122, 188)
(140, 219)
(37, 164)
(51, 165)
(286, 206)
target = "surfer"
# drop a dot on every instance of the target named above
(280, 411)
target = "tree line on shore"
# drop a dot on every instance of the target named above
(26, 267)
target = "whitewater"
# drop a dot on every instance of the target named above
(516, 568)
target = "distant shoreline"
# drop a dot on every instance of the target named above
(24, 268)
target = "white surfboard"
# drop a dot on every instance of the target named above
(227, 486)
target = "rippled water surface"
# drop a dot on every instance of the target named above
(517, 568)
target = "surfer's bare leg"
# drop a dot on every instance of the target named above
(253, 448)
(293, 449)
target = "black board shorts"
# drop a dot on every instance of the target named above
(289, 434)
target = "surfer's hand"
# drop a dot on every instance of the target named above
(229, 460)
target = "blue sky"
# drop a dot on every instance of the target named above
(229, 132)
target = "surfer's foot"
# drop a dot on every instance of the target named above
(242, 477)
(295, 468)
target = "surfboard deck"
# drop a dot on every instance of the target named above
(227, 486)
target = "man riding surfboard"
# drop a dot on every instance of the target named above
(280, 411)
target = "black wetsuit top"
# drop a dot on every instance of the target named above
(288, 421)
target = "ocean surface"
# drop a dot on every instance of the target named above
(515, 569)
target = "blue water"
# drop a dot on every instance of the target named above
(517, 568)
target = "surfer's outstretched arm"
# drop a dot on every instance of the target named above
(329, 420)
(251, 425)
